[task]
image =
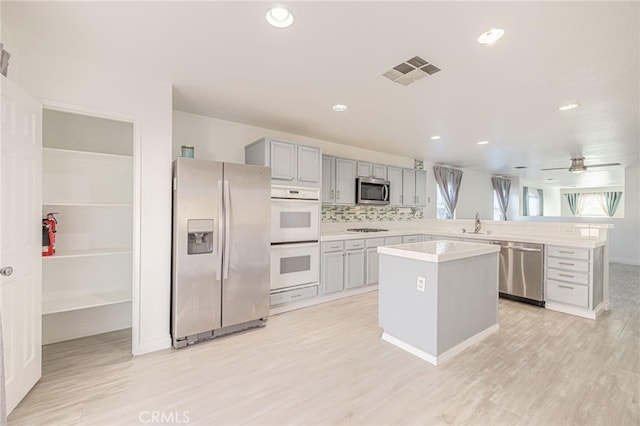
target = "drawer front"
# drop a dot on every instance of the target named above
(568, 252)
(568, 264)
(354, 244)
(293, 295)
(571, 277)
(411, 239)
(572, 294)
(332, 246)
(374, 242)
(392, 240)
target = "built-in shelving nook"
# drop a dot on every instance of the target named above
(88, 180)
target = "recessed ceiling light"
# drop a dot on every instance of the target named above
(567, 107)
(279, 17)
(483, 142)
(339, 108)
(490, 36)
(434, 138)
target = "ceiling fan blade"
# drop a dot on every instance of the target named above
(602, 165)
(555, 168)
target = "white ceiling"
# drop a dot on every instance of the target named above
(225, 61)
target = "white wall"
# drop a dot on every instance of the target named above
(624, 238)
(83, 87)
(221, 140)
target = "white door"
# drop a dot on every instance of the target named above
(21, 241)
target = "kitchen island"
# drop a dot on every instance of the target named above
(437, 298)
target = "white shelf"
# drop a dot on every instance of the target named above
(71, 152)
(87, 253)
(54, 204)
(74, 303)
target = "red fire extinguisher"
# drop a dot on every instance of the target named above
(49, 230)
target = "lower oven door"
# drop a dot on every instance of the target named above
(294, 265)
(294, 220)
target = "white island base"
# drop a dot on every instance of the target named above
(437, 298)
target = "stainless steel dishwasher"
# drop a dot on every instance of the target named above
(521, 272)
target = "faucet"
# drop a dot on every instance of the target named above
(478, 224)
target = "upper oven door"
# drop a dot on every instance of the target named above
(294, 220)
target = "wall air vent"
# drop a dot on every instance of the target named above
(411, 71)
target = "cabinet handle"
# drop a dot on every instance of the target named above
(337, 195)
(331, 195)
(401, 198)
(566, 286)
(566, 252)
(293, 296)
(566, 275)
(566, 263)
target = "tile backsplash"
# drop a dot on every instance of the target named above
(335, 214)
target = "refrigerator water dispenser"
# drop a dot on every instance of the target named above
(200, 236)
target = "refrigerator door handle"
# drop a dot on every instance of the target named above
(220, 231)
(227, 230)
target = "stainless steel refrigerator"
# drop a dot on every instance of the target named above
(221, 241)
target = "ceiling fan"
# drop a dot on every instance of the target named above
(578, 166)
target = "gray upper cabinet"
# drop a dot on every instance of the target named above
(345, 181)
(376, 171)
(290, 164)
(308, 164)
(379, 171)
(328, 179)
(394, 176)
(408, 187)
(421, 188)
(283, 160)
(414, 187)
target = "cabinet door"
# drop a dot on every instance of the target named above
(345, 181)
(379, 171)
(372, 266)
(283, 160)
(394, 176)
(328, 179)
(364, 169)
(332, 272)
(408, 187)
(308, 164)
(421, 188)
(354, 268)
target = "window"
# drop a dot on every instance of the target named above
(534, 203)
(497, 215)
(593, 206)
(441, 210)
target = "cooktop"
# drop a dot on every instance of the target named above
(366, 230)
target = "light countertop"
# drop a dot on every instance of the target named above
(556, 240)
(439, 250)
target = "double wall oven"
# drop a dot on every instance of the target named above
(295, 235)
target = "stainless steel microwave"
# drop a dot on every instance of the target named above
(372, 191)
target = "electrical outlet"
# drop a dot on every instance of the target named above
(420, 284)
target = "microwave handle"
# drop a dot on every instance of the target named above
(385, 196)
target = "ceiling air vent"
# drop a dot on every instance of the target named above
(411, 71)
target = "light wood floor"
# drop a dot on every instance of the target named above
(327, 365)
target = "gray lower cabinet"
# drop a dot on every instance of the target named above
(371, 262)
(392, 240)
(574, 280)
(354, 260)
(332, 277)
(412, 238)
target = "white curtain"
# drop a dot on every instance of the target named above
(610, 202)
(448, 181)
(502, 186)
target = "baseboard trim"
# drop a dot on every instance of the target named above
(445, 356)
